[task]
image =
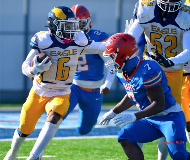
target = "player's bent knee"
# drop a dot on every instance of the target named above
(179, 156)
(82, 131)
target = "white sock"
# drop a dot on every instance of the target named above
(46, 134)
(140, 145)
(188, 136)
(162, 149)
(17, 141)
(57, 126)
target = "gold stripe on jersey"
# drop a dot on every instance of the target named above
(39, 78)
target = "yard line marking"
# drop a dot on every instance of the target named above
(27, 157)
(77, 137)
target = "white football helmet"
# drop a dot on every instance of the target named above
(171, 6)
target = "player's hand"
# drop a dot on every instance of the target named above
(162, 60)
(107, 117)
(128, 25)
(124, 119)
(104, 90)
(40, 67)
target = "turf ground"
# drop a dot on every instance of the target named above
(76, 148)
(82, 149)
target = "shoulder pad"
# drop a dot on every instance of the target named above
(183, 18)
(82, 39)
(146, 8)
(41, 40)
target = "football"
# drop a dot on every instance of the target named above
(40, 58)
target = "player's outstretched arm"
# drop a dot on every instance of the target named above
(105, 88)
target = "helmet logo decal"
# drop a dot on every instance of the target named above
(59, 13)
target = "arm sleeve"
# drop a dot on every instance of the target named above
(152, 79)
(109, 76)
(136, 30)
(94, 48)
(184, 56)
(26, 66)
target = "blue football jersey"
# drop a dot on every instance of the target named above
(91, 67)
(147, 75)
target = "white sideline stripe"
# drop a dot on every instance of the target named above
(27, 157)
(61, 127)
(78, 137)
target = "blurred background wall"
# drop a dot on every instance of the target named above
(21, 19)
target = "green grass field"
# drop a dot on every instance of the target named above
(82, 149)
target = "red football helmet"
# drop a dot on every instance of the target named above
(83, 16)
(120, 47)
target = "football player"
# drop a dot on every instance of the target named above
(87, 89)
(146, 87)
(166, 25)
(63, 43)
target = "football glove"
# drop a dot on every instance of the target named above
(40, 67)
(128, 25)
(124, 119)
(162, 60)
(107, 117)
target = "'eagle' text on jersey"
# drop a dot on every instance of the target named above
(164, 30)
(129, 87)
(63, 53)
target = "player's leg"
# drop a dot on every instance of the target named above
(75, 92)
(30, 113)
(175, 81)
(162, 149)
(56, 108)
(185, 105)
(74, 99)
(173, 128)
(139, 131)
(89, 110)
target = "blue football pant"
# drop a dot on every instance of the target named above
(89, 108)
(171, 126)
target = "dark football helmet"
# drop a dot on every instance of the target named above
(120, 47)
(171, 6)
(63, 23)
(84, 17)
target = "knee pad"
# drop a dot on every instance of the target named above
(179, 156)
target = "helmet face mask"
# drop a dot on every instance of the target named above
(120, 48)
(172, 6)
(84, 24)
(84, 17)
(63, 23)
